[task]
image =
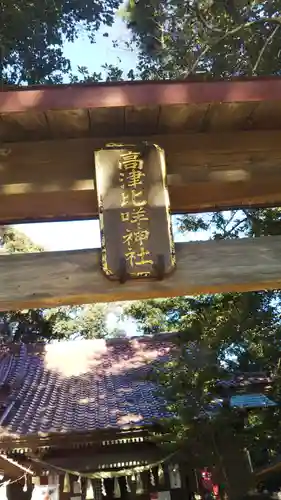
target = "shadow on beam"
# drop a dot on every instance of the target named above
(53, 278)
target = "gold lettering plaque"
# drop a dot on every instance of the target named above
(134, 211)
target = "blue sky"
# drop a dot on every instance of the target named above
(93, 56)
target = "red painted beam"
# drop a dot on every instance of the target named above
(123, 94)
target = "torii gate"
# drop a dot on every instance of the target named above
(223, 147)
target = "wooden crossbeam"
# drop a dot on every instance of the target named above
(139, 93)
(53, 278)
(53, 180)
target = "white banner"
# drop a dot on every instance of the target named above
(3, 492)
(47, 492)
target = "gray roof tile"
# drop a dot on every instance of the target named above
(82, 386)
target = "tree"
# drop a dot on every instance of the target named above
(214, 39)
(13, 241)
(241, 331)
(32, 35)
(87, 322)
(220, 38)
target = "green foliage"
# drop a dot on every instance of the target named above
(109, 73)
(87, 322)
(215, 37)
(242, 329)
(32, 34)
(16, 242)
(25, 326)
(238, 331)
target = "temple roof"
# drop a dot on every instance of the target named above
(85, 386)
(81, 386)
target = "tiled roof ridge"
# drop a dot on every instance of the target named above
(13, 376)
(13, 364)
(21, 367)
(17, 358)
(5, 368)
(39, 347)
(53, 396)
(66, 391)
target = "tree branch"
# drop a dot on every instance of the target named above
(228, 233)
(203, 20)
(267, 42)
(262, 20)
